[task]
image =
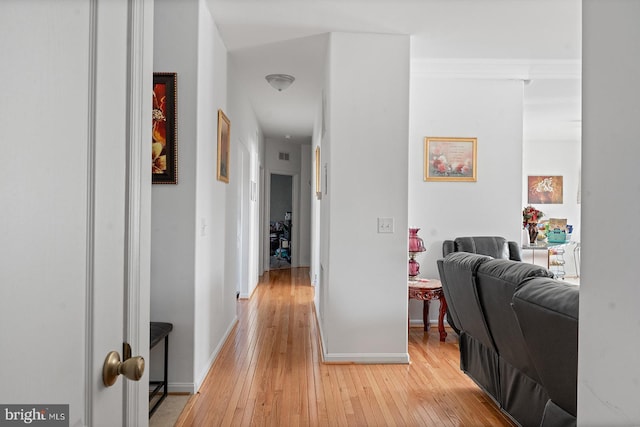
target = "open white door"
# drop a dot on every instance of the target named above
(74, 239)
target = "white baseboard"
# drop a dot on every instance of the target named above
(366, 358)
(244, 295)
(182, 388)
(362, 358)
(432, 322)
(203, 373)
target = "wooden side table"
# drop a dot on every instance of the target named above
(426, 290)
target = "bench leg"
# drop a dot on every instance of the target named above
(165, 379)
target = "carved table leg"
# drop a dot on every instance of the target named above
(443, 310)
(425, 314)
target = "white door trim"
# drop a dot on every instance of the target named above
(91, 179)
(139, 81)
(137, 205)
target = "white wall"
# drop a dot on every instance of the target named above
(561, 158)
(322, 138)
(491, 111)
(243, 237)
(608, 369)
(319, 235)
(298, 166)
(189, 266)
(364, 317)
(274, 164)
(304, 220)
(214, 313)
(556, 158)
(173, 216)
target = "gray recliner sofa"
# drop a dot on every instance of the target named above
(495, 351)
(493, 246)
(548, 318)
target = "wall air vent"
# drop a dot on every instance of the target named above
(283, 156)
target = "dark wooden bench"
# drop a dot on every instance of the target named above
(159, 331)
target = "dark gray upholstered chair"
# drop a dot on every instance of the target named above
(493, 246)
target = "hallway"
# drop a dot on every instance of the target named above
(269, 372)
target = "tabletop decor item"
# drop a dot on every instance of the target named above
(416, 245)
(530, 218)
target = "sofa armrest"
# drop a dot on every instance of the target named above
(515, 253)
(448, 246)
(547, 313)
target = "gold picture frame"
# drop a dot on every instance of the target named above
(318, 175)
(450, 159)
(224, 148)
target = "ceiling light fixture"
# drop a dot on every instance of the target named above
(280, 81)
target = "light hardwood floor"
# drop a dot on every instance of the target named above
(270, 373)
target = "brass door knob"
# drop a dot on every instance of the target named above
(132, 368)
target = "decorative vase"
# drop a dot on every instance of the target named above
(416, 245)
(415, 242)
(532, 228)
(414, 266)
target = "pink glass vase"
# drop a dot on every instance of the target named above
(414, 267)
(416, 245)
(415, 242)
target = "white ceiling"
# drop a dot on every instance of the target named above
(275, 36)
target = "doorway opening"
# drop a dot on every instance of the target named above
(280, 221)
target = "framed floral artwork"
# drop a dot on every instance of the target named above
(450, 159)
(164, 136)
(224, 148)
(545, 189)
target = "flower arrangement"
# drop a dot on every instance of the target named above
(531, 215)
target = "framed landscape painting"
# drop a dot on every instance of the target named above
(450, 159)
(164, 146)
(224, 131)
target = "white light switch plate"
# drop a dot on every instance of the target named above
(385, 225)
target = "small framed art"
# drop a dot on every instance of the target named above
(450, 159)
(544, 189)
(224, 148)
(164, 134)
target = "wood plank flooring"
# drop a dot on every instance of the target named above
(270, 373)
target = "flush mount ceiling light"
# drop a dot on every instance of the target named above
(280, 81)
